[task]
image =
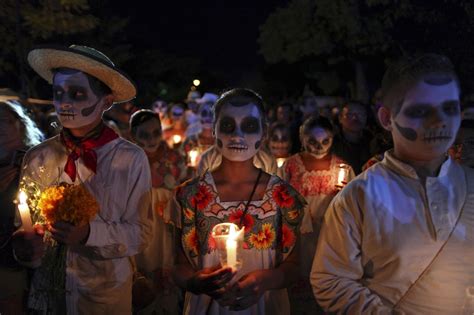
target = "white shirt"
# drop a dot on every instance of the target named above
(99, 273)
(383, 230)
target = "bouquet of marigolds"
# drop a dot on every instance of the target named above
(69, 203)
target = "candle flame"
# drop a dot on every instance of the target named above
(176, 138)
(22, 197)
(280, 161)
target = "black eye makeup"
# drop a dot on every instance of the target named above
(74, 93)
(250, 125)
(227, 125)
(417, 111)
(451, 108)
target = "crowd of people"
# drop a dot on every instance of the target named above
(346, 207)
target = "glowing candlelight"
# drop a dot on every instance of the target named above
(342, 175)
(193, 155)
(176, 139)
(231, 247)
(229, 239)
(24, 212)
(280, 162)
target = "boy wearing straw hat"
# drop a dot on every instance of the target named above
(98, 270)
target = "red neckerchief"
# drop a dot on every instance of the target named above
(84, 148)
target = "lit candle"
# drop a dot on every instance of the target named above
(176, 139)
(342, 175)
(24, 210)
(280, 161)
(193, 155)
(231, 248)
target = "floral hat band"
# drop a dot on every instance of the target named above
(45, 59)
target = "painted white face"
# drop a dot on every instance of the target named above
(205, 112)
(239, 132)
(148, 135)
(75, 103)
(318, 142)
(160, 107)
(279, 143)
(427, 122)
(11, 137)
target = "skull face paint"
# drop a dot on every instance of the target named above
(239, 132)
(160, 107)
(318, 142)
(279, 143)
(427, 122)
(205, 112)
(75, 102)
(148, 135)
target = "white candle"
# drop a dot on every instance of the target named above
(24, 210)
(231, 248)
(176, 139)
(193, 155)
(341, 176)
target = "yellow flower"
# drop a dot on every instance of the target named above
(264, 238)
(69, 203)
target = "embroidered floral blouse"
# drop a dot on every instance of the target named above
(271, 230)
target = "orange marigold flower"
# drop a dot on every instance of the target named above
(264, 238)
(293, 214)
(69, 203)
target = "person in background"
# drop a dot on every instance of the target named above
(267, 208)
(285, 115)
(314, 173)
(176, 133)
(155, 263)
(398, 238)
(18, 132)
(279, 142)
(352, 143)
(462, 150)
(160, 107)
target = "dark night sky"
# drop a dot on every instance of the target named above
(222, 34)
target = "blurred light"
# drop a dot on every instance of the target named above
(196, 82)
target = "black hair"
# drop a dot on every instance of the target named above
(314, 121)
(141, 116)
(240, 97)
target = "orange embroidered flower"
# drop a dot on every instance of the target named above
(69, 203)
(288, 237)
(247, 221)
(264, 238)
(293, 214)
(282, 197)
(202, 198)
(211, 243)
(188, 213)
(191, 241)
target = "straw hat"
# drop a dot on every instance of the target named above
(88, 60)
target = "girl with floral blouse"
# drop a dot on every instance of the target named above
(314, 174)
(236, 191)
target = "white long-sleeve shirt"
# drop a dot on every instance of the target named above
(99, 273)
(383, 230)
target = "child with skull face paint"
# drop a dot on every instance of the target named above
(399, 237)
(168, 168)
(238, 192)
(98, 269)
(178, 125)
(314, 173)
